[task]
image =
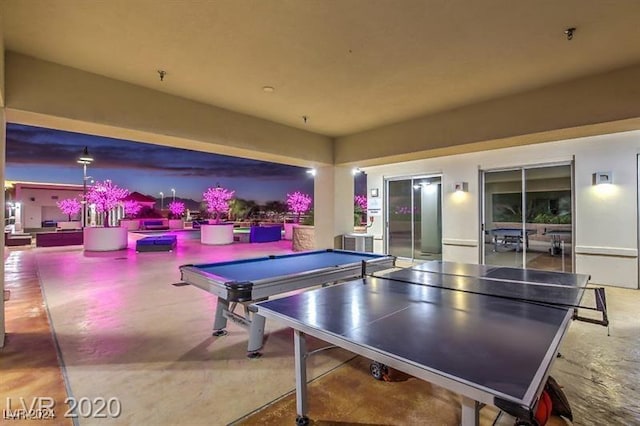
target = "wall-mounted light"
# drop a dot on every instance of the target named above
(599, 178)
(461, 187)
(374, 192)
(355, 171)
(312, 172)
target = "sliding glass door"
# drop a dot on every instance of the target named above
(414, 217)
(527, 217)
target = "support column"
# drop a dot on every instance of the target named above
(333, 205)
(3, 145)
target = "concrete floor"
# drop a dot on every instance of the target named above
(125, 332)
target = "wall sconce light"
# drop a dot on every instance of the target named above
(374, 193)
(356, 171)
(312, 172)
(599, 178)
(461, 187)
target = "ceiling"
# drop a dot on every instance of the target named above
(348, 65)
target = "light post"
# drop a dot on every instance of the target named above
(85, 159)
(161, 201)
(173, 193)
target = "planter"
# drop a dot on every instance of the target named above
(105, 239)
(130, 224)
(69, 225)
(288, 230)
(304, 238)
(176, 224)
(218, 234)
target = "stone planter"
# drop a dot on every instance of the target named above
(217, 234)
(130, 224)
(69, 225)
(288, 230)
(176, 224)
(105, 239)
(304, 238)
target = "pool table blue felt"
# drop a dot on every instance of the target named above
(276, 266)
(249, 280)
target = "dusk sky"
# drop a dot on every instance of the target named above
(37, 154)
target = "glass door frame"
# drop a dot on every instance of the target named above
(387, 212)
(523, 169)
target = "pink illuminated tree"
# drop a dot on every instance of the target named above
(131, 208)
(176, 209)
(217, 200)
(360, 208)
(69, 206)
(299, 203)
(105, 196)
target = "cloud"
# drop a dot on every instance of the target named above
(27, 145)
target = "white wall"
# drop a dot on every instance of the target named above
(606, 219)
(32, 210)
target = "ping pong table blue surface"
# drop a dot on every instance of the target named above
(289, 264)
(490, 340)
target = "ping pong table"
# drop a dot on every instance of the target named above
(488, 333)
(510, 237)
(241, 282)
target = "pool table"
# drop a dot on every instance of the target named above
(249, 280)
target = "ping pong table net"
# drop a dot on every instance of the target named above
(543, 293)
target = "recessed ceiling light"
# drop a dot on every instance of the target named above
(268, 89)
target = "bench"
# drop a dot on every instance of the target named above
(15, 240)
(154, 224)
(265, 234)
(56, 239)
(159, 243)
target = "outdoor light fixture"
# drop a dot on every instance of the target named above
(375, 192)
(600, 178)
(85, 159)
(461, 187)
(312, 172)
(161, 201)
(356, 171)
(173, 194)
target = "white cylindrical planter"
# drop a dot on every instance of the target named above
(219, 234)
(69, 225)
(130, 224)
(176, 224)
(288, 230)
(304, 238)
(105, 239)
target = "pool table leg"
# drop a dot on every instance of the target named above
(256, 335)
(220, 321)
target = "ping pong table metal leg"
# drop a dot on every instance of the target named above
(470, 412)
(256, 335)
(300, 355)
